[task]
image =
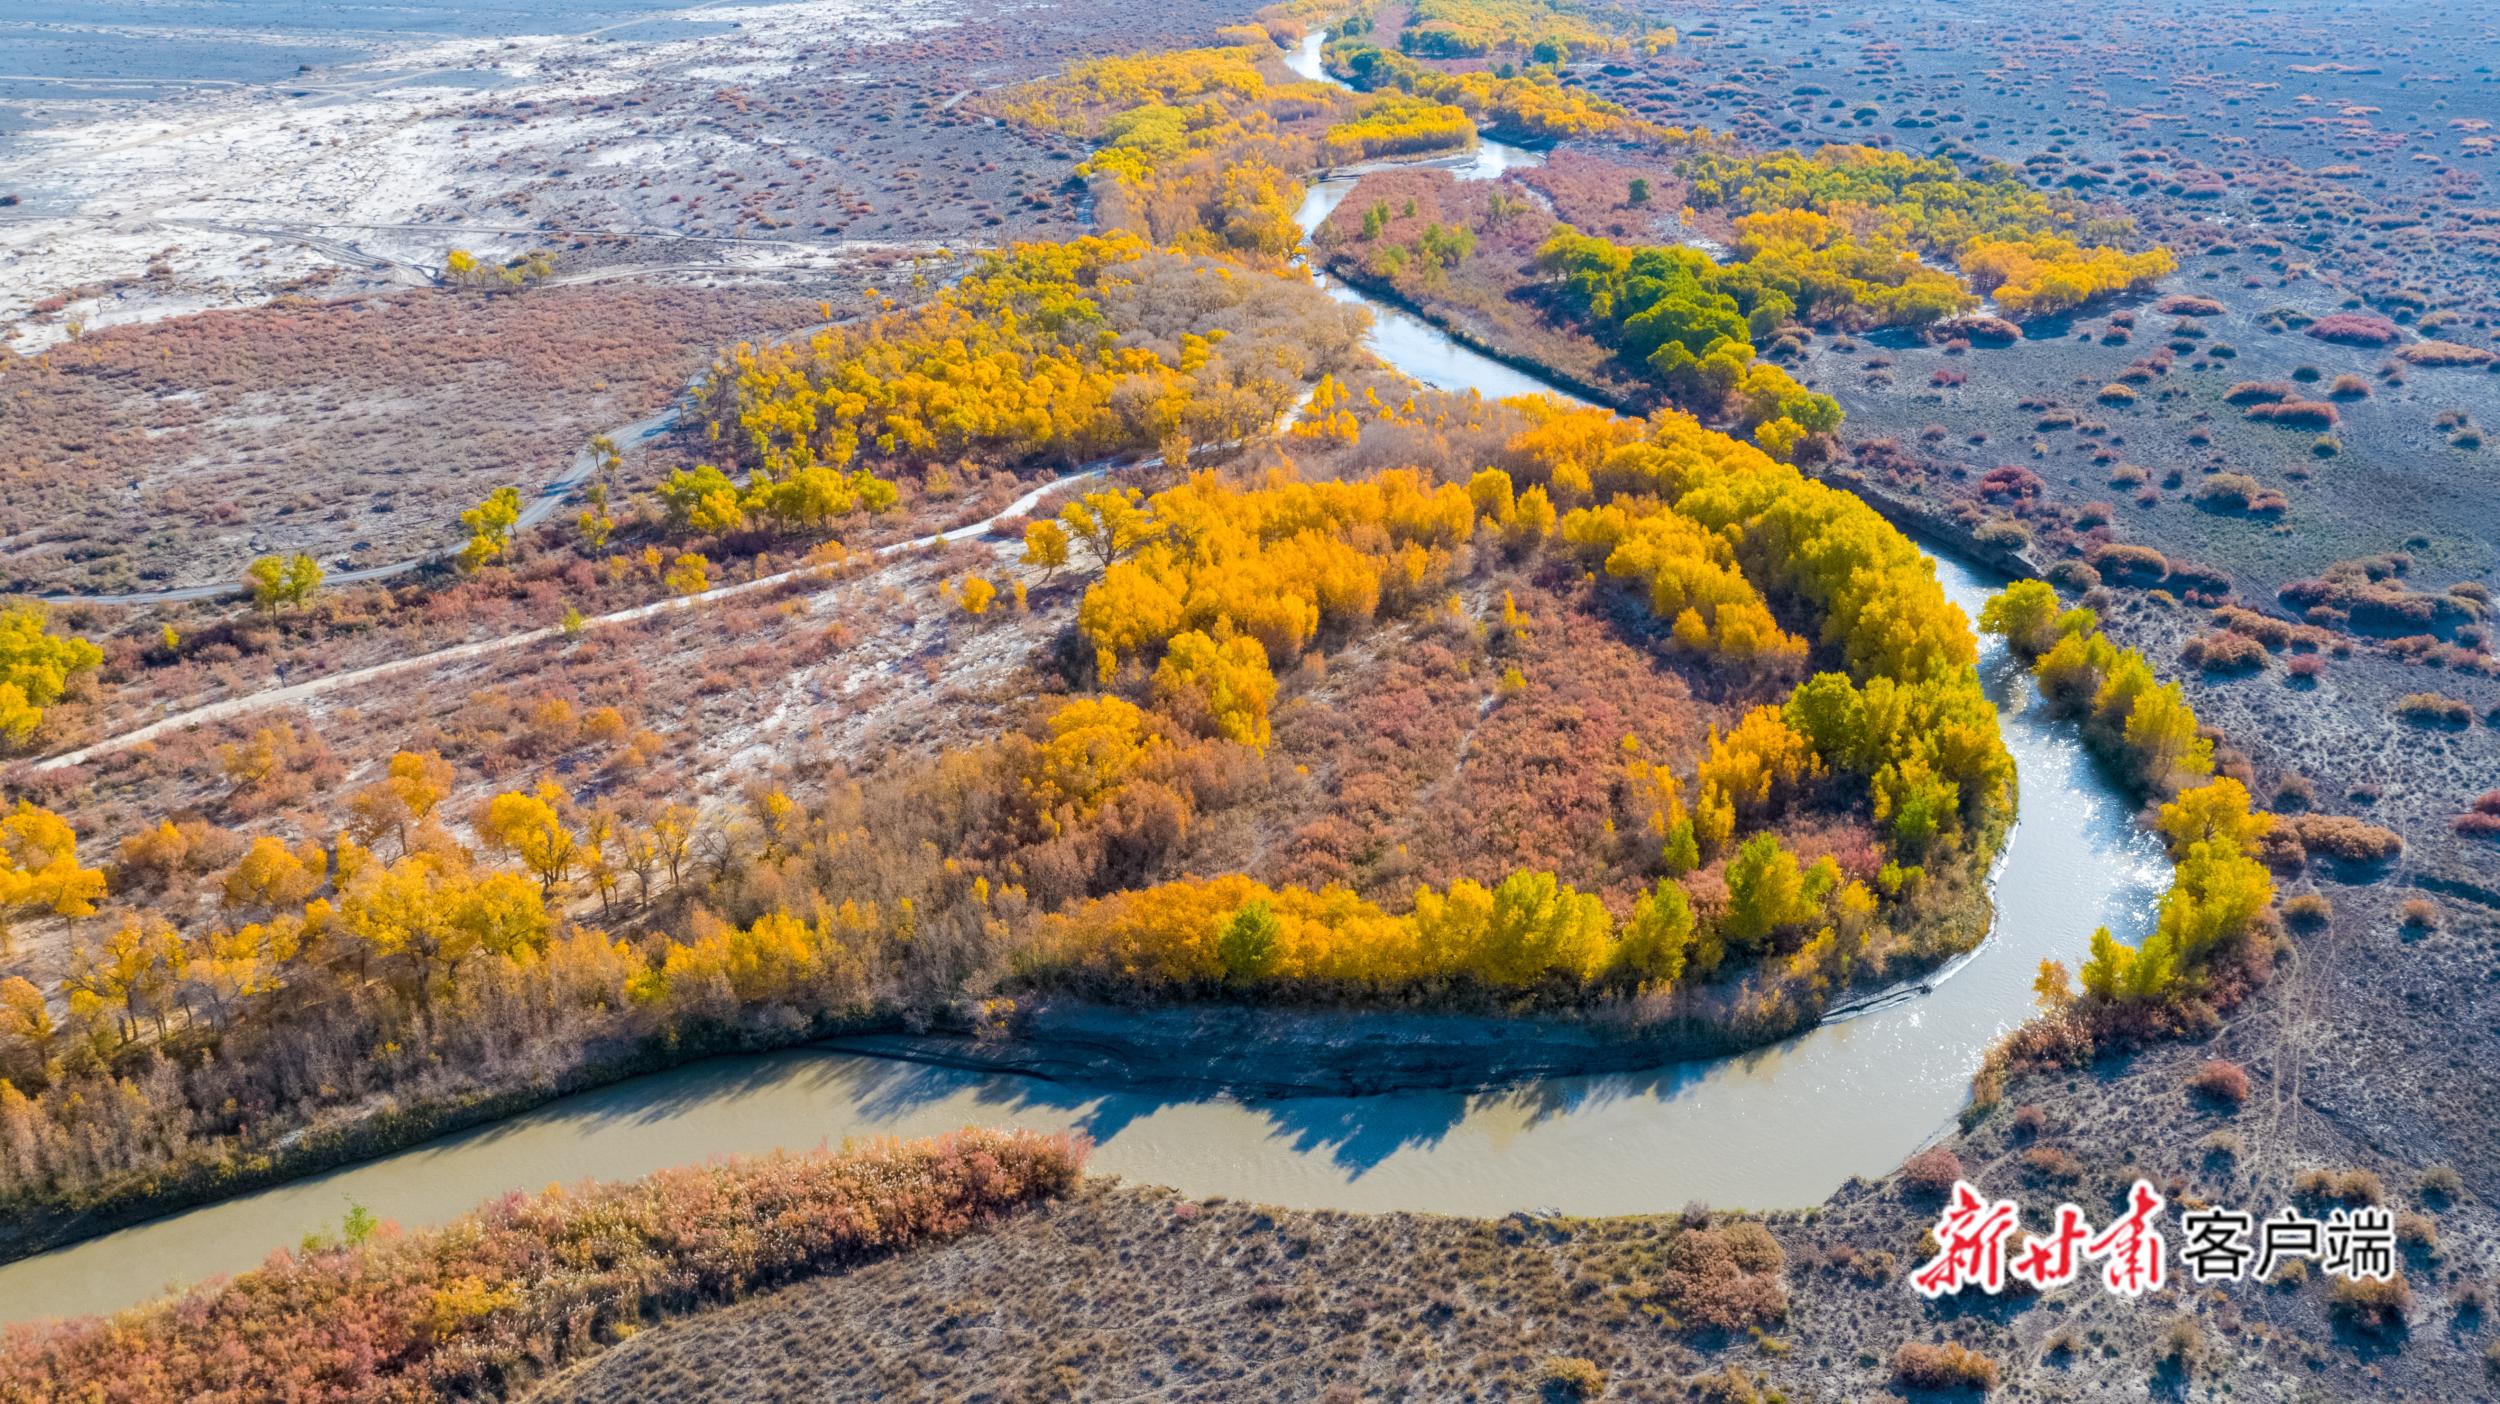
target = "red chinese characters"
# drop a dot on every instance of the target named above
(2135, 1258)
(1971, 1244)
(2057, 1259)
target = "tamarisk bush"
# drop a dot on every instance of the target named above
(483, 1306)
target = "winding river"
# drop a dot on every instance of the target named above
(1778, 1127)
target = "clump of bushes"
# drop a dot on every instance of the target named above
(2121, 564)
(2238, 492)
(2220, 1081)
(479, 1308)
(2445, 353)
(2370, 1306)
(1931, 1172)
(2483, 820)
(2222, 651)
(2419, 914)
(1570, 1377)
(2348, 1187)
(2189, 305)
(2297, 414)
(2343, 838)
(1727, 1278)
(2356, 329)
(1947, 1366)
(2435, 709)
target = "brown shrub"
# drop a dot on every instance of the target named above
(1947, 1366)
(2221, 1081)
(2483, 820)
(2419, 914)
(2344, 838)
(2366, 1305)
(1727, 1278)
(2257, 392)
(2445, 353)
(2238, 492)
(2222, 651)
(2349, 1187)
(2435, 709)
(1570, 1377)
(2298, 414)
(2129, 564)
(1931, 1172)
(2189, 305)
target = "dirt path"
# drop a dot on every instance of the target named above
(331, 682)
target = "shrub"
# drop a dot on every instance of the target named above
(2238, 492)
(2129, 564)
(1947, 1366)
(2349, 1187)
(2419, 914)
(2309, 911)
(2441, 1185)
(476, 1308)
(2299, 414)
(2483, 820)
(1727, 1278)
(2220, 1081)
(1932, 1172)
(2053, 1164)
(2376, 1308)
(2224, 652)
(1570, 1377)
(2182, 1347)
(2348, 387)
(2189, 305)
(2257, 392)
(2445, 353)
(2435, 709)
(2356, 329)
(2344, 839)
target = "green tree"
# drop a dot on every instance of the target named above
(1651, 947)
(1246, 947)
(1764, 892)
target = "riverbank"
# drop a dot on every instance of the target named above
(1220, 1050)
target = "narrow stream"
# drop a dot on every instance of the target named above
(1778, 1127)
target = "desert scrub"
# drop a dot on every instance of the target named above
(480, 1307)
(2435, 709)
(1947, 1366)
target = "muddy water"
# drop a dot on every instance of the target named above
(1779, 1127)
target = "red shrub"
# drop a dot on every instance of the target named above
(2356, 329)
(2299, 414)
(2221, 1082)
(1932, 1172)
(477, 1308)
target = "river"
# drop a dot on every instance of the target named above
(1779, 1127)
